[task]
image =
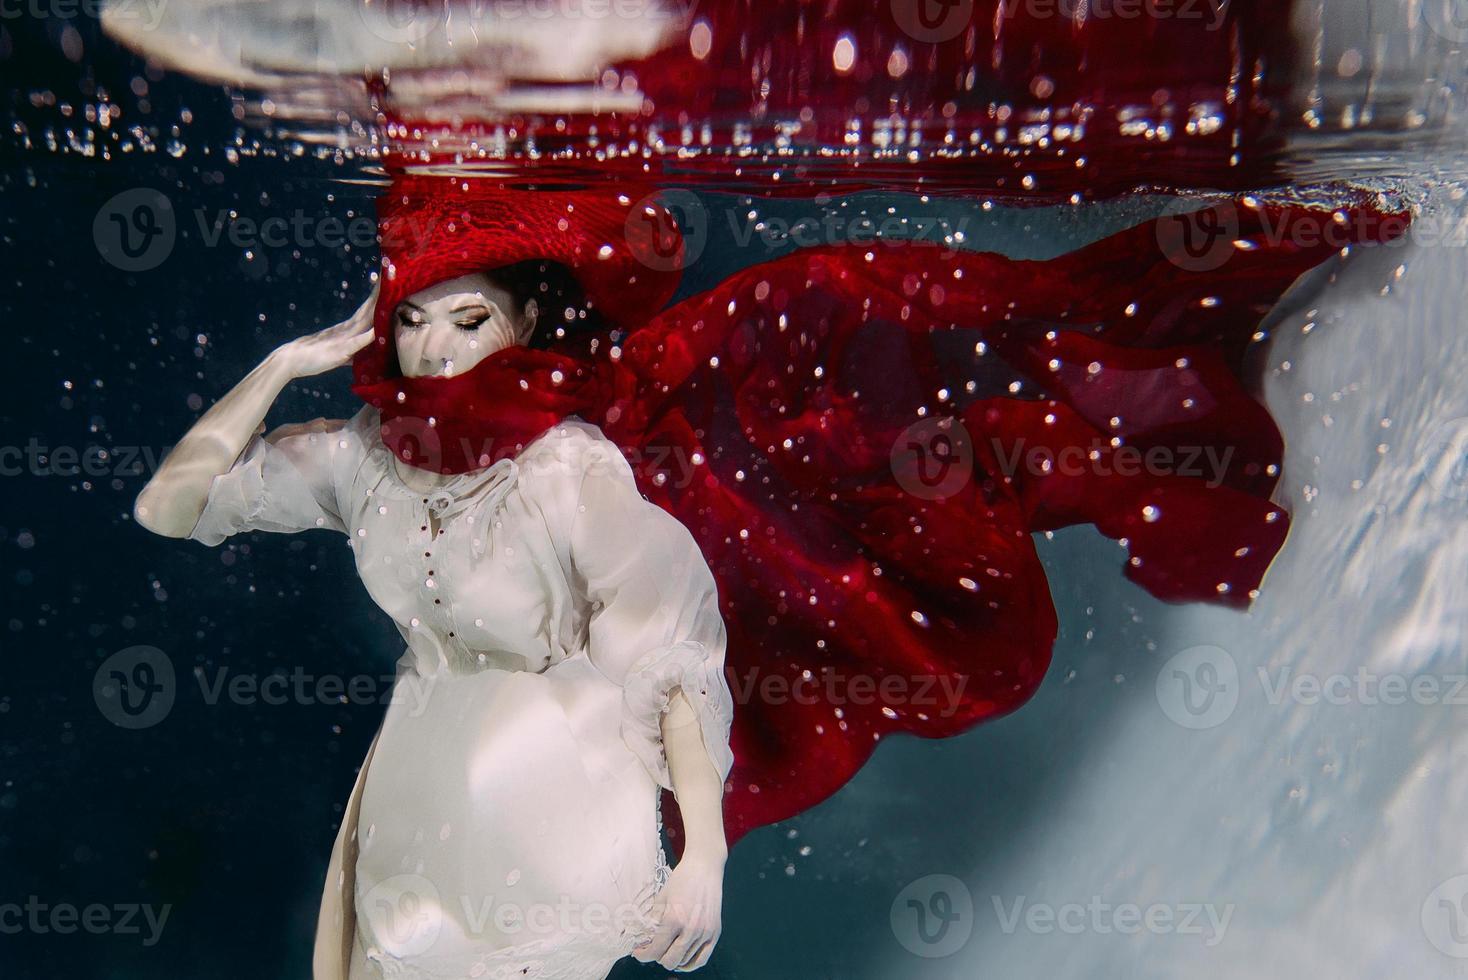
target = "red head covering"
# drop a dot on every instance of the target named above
(623, 249)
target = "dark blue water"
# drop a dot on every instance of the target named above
(221, 814)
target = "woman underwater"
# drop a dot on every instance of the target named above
(567, 635)
(542, 600)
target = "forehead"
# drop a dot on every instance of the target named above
(475, 287)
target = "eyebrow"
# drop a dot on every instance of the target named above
(471, 306)
(415, 306)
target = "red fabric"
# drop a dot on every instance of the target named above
(1209, 89)
(772, 415)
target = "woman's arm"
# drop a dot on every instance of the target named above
(174, 498)
(655, 630)
(689, 907)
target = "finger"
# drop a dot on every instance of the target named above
(365, 311)
(338, 330)
(656, 947)
(700, 956)
(361, 340)
(679, 951)
(371, 300)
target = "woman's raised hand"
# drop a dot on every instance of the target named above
(333, 347)
(176, 495)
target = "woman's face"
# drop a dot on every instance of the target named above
(449, 327)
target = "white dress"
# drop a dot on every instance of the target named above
(506, 823)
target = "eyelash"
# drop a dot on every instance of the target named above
(467, 325)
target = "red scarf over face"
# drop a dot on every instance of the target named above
(878, 433)
(434, 229)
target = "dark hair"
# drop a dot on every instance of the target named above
(564, 308)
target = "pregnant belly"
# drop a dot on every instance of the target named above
(502, 808)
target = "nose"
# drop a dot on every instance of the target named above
(438, 346)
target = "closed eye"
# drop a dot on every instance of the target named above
(411, 320)
(470, 317)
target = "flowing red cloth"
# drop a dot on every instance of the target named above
(864, 439)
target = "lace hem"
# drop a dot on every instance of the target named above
(645, 699)
(568, 956)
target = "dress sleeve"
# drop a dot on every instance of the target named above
(281, 482)
(654, 625)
